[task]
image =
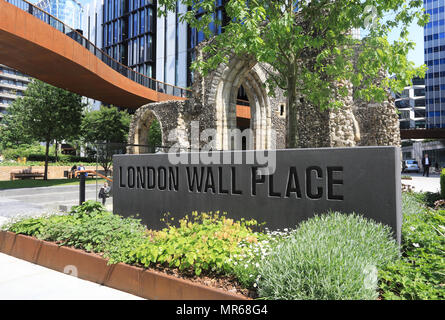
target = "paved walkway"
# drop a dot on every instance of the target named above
(37, 201)
(423, 184)
(20, 279)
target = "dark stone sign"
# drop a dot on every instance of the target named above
(364, 180)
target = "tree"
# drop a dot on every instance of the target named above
(107, 129)
(309, 47)
(46, 113)
(12, 132)
(155, 135)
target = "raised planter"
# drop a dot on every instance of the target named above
(149, 284)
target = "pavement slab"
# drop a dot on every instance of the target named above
(23, 280)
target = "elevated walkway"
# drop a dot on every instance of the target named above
(38, 44)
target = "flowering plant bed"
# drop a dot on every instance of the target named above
(327, 257)
(147, 283)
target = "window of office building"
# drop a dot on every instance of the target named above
(196, 36)
(419, 103)
(419, 92)
(130, 29)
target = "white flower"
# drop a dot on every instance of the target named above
(412, 228)
(257, 265)
(254, 285)
(416, 245)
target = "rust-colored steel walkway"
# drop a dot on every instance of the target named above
(38, 44)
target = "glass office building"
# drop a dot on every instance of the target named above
(158, 47)
(129, 32)
(434, 40)
(67, 11)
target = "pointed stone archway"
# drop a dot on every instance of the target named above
(227, 79)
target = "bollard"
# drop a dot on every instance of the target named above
(82, 188)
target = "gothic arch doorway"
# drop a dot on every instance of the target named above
(240, 75)
(146, 134)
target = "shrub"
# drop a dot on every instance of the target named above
(87, 227)
(412, 203)
(204, 242)
(420, 273)
(333, 256)
(36, 152)
(426, 198)
(23, 151)
(245, 265)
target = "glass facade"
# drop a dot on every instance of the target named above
(197, 36)
(434, 40)
(129, 28)
(67, 11)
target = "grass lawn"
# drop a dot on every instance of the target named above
(29, 183)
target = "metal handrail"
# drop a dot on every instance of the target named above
(93, 172)
(100, 54)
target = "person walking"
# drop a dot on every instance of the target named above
(103, 193)
(426, 163)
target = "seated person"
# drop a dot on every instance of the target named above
(82, 168)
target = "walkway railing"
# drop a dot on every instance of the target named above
(114, 64)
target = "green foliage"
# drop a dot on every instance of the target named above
(245, 265)
(49, 113)
(203, 243)
(426, 198)
(310, 47)
(87, 227)
(420, 273)
(333, 256)
(36, 153)
(442, 183)
(412, 203)
(45, 113)
(105, 127)
(23, 150)
(155, 134)
(12, 132)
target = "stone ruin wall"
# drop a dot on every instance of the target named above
(358, 123)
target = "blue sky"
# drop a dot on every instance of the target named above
(415, 35)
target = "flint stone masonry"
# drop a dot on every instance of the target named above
(302, 183)
(213, 104)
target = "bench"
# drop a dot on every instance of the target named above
(23, 175)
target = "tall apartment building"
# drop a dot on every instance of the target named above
(12, 85)
(434, 40)
(411, 105)
(133, 34)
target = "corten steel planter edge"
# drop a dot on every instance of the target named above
(146, 283)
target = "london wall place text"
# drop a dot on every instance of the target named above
(305, 182)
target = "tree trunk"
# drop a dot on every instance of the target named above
(292, 134)
(45, 176)
(56, 146)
